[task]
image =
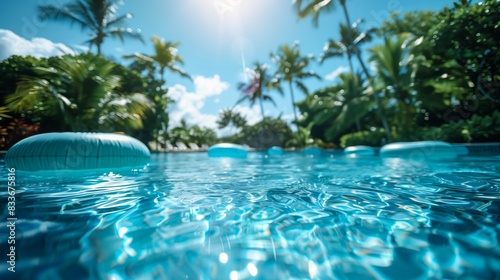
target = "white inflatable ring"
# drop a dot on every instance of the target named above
(76, 151)
(227, 150)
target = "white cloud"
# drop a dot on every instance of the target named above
(81, 48)
(188, 105)
(206, 86)
(290, 117)
(11, 44)
(246, 75)
(251, 114)
(332, 76)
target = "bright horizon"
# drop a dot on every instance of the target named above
(218, 39)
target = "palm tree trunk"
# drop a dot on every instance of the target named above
(162, 80)
(98, 49)
(293, 106)
(162, 72)
(349, 57)
(344, 8)
(380, 110)
(262, 109)
(262, 124)
(157, 140)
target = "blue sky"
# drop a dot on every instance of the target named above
(214, 35)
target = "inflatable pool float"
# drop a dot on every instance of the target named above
(359, 151)
(461, 150)
(76, 151)
(227, 150)
(419, 150)
(275, 151)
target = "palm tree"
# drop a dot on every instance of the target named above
(4, 112)
(350, 40)
(202, 136)
(256, 88)
(228, 117)
(313, 8)
(80, 91)
(98, 16)
(180, 134)
(346, 103)
(331, 111)
(292, 69)
(396, 69)
(165, 57)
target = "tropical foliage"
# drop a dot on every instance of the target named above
(424, 75)
(166, 57)
(351, 40)
(190, 136)
(79, 94)
(259, 83)
(395, 68)
(292, 67)
(333, 111)
(418, 77)
(366, 137)
(229, 117)
(262, 135)
(313, 9)
(98, 16)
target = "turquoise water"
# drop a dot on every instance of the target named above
(187, 216)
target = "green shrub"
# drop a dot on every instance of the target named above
(265, 134)
(475, 129)
(368, 138)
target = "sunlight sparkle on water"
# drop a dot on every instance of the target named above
(252, 269)
(223, 257)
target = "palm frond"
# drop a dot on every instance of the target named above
(123, 33)
(118, 21)
(302, 87)
(54, 13)
(313, 8)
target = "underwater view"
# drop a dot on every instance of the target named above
(188, 216)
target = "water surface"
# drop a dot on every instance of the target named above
(187, 216)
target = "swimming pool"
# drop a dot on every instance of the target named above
(188, 216)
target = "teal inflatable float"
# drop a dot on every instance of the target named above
(227, 150)
(359, 151)
(421, 150)
(275, 151)
(76, 151)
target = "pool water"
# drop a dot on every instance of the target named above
(187, 216)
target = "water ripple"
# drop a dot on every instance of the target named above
(293, 217)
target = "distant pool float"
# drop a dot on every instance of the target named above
(461, 150)
(275, 151)
(227, 150)
(359, 151)
(76, 151)
(419, 150)
(312, 151)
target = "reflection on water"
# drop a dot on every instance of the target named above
(187, 216)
